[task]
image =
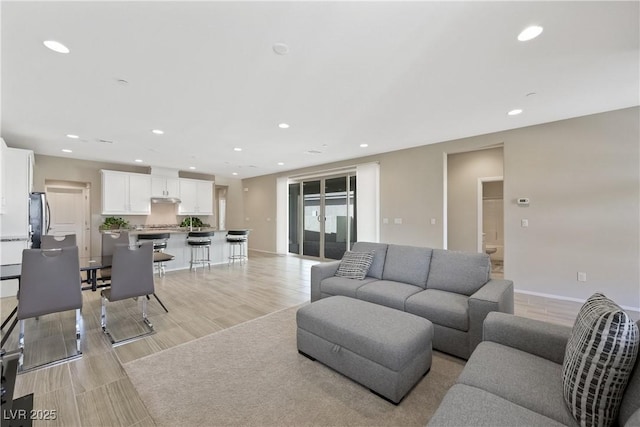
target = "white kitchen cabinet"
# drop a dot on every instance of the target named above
(125, 193)
(162, 186)
(196, 197)
(17, 181)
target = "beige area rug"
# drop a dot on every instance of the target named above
(252, 374)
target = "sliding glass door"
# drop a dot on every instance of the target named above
(322, 216)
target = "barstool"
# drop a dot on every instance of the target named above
(199, 241)
(237, 239)
(159, 245)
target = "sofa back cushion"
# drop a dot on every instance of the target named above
(379, 255)
(407, 264)
(599, 358)
(631, 401)
(459, 272)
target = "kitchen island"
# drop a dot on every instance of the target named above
(178, 247)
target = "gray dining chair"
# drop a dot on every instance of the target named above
(131, 277)
(49, 283)
(109, 241)
(49, 241)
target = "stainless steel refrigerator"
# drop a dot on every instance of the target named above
(39, 218)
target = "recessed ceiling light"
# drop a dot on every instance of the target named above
(72, 136)
(530, 33)
(281, 48)
(364, 145)
(138, 161)
(237, 149)
(234, 173)
(192, 167)
(56, 46)
(66, 150)
(283, 126)
(157, 131)
(514, 112)
(280, 163)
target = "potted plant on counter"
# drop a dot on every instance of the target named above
(113, 223)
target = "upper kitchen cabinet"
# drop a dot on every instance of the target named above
(125, 193)
(196, 197)
(163, 186)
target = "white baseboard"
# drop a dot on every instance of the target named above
(563, 298)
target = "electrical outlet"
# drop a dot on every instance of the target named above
(524, 223)
(582, 276)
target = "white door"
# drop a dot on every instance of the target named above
(68, 215)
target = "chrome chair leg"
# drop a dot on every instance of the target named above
(103, 313)
(78, 327)
(21, 345)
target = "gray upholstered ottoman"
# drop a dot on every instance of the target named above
(383, 349)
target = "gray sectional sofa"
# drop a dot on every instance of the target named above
(514, 377)
(451, 289)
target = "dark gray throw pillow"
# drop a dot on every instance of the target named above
(599, 358)
(355, 265)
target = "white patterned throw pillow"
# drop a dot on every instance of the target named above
(355, 265)
(598, 361)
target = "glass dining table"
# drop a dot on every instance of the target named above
(89, 265)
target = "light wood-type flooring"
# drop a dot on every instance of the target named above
(95, 390)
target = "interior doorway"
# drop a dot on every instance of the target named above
(69, 203)
(491, 222)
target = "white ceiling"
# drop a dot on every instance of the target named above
(389, 74)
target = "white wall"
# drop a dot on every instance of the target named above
(583, 178)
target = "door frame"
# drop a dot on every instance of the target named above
(481, 181)
(84, 242)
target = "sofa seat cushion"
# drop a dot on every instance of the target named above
(464, 405)
(407, 264)
(343, 286)
(526, 380)
(441, 307)
(387, 293)
(459, 272)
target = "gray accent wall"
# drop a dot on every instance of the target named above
(582, 176)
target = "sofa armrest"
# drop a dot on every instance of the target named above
(495, 295)
(319, 272)
(544, 339)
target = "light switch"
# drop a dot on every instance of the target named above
(433, 221)
(385, 220)
(582, 276)
(397, 220)
(524, 223)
